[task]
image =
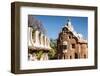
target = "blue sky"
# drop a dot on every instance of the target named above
(54, 24)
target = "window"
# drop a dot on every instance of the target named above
(64, 46)
(76, 55)
(64, 30)
(84, 56)
(73, 46)
(70, 57)
(69, 37)
(64, 56)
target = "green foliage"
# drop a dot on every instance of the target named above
(39, 54)
(53, 51)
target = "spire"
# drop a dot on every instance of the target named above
(69, 25)
(69, 21)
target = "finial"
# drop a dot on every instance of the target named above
(68, 21)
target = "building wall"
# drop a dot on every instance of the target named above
(84, 51)
(72, 49)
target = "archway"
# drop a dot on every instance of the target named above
(76, 55)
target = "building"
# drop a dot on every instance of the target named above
(71, 45)
(37, 41)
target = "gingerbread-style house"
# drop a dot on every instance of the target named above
(71, 45)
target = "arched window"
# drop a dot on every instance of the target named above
(69, 37)
(73, 46)
(70, 57)
(64, 30)
(64, 56)
(84, 56)
(76, 55)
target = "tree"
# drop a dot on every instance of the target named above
(53, 51)
(36, 24)
(39, 54)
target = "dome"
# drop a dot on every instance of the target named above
(69, 25)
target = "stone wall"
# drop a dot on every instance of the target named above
(72, 49)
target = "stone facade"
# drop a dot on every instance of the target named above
(71, 45)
